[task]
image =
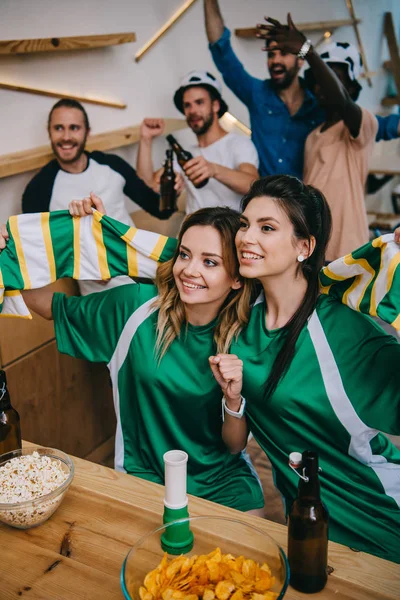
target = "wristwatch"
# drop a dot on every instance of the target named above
(304, 50)
(239, 414)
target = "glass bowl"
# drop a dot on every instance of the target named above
(231, 535)
(31, 513)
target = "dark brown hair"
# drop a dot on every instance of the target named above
(68, 103)
(309, 213)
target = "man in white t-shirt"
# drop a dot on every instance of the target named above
(228, 160)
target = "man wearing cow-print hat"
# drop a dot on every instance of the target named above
(337, 152)
(228, 160)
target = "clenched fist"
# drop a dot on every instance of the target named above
(228, 372)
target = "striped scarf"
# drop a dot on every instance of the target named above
(44, 247)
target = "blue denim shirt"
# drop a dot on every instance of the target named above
(278, 136)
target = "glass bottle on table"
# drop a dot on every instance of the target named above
(183, 156)
(308, 529)
(167, 186)
(10, 429)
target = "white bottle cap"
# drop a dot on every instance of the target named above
(175, 462)
(295, 459)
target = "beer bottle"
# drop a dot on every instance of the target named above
(10, 431)
(183, 157)
(167, 189)
(308, 531)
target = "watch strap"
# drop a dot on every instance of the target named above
(239, 414)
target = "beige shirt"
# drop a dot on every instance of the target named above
(337, 164)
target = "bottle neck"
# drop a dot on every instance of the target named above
(168, 166)
(310, 490)
(5, 401)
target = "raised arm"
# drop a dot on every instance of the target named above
(290, 40)
(234, 74)
(228, 372)
(149, 129)
(213, 20)
(239, 180)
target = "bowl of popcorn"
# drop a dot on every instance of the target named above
(229, 560)
(33, 482)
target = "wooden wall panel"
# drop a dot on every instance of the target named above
(62, 401)
(18, 337)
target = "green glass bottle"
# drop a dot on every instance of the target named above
(10, 429)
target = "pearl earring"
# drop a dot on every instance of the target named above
(300, 258)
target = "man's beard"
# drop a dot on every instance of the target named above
(289, 77)
(207, 122)
(80, 148)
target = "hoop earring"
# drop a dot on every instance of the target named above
(300, 258)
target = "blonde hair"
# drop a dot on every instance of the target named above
(234, 313)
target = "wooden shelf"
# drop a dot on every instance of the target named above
(82, 42)
(250, 32)
(35, 158)
(390, 101)
(52, 94)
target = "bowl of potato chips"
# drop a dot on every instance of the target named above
(230, 560)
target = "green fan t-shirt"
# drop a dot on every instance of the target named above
(340, 391)
(174, 404)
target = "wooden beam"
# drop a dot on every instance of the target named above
(393, 49)
(35, 158)
(177, 15)
(390, 100)
(350, 8)
(41, 92)
(250, 32)
(82, 42)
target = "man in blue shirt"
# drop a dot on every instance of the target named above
(282, 110)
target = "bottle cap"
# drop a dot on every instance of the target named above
(295, 459)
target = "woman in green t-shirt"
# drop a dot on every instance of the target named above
(156, 340)
(316, 375)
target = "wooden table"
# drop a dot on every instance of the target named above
(78, 553)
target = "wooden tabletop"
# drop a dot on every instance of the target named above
(78, 552)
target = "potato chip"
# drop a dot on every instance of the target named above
(224, 589)
(213, 576)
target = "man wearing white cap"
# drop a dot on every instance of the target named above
(337, 152)
(228, 160)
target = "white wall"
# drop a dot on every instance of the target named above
(148, 86)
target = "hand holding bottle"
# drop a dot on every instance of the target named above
(198, 169)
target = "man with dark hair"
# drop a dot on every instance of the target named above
(282, 110)
(74, 173)
(337, 152)
(228, 160)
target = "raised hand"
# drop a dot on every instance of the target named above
(83, 208)
(151, 128)
(288, 38)
(228, 372)
(4, 237)
(198, 169)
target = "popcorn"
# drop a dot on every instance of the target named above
(27, 478)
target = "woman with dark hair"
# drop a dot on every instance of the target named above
(316, 375)
(156, 340)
